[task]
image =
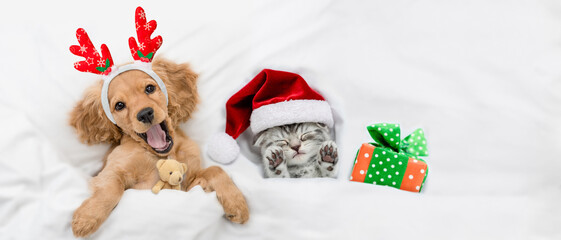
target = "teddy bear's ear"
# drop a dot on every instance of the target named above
(160, 163)
(184, 166)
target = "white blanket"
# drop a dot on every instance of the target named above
(482, 78)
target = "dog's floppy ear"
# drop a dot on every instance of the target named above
(181, 83)
(90, 121)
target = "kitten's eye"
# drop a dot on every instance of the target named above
(306, 136)
(149, 89)
(170, 173)
(119, 106)
(282, 142)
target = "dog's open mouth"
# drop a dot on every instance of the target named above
(158, 138)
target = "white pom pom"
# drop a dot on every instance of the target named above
(222, 148)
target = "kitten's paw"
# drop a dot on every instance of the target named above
(275, 156)
(328, 155)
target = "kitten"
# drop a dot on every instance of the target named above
(300, 150)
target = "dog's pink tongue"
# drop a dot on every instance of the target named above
(156, 137)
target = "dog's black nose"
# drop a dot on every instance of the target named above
(145, 115)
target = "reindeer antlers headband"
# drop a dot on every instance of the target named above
(143, 53)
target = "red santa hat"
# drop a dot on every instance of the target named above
(273, 98)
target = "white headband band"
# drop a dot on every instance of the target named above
(145, 67)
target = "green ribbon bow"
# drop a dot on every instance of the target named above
(388, 135)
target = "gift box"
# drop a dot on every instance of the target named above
(390, 161)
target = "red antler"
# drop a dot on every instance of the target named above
(93, 63)
(147, 47)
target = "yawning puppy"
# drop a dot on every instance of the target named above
(146, 130)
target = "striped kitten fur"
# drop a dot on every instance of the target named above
(300, 150)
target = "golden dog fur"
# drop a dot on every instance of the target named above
(131, 162)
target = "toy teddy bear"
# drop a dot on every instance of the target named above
(171, 174)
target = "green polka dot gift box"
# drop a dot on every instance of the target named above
(390, 161)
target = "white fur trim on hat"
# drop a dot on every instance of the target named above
(289, 112)
(137, 65)
(222, 148)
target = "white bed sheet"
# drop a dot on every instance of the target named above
(483, 79)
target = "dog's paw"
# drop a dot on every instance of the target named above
(275, 158)
(235, 207)
(328, 155)
(204, 184)
(84, 222)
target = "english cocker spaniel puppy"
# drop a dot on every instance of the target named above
(145, 131)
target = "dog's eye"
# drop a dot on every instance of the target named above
(119, 106)
(170, 173)
(149, 89)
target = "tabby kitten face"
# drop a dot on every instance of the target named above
(299, 142)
